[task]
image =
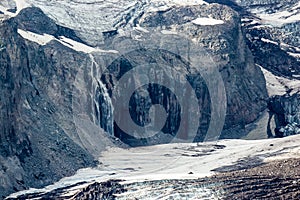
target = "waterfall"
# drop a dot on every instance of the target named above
(101, 105)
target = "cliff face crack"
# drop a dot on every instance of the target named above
(31, 77)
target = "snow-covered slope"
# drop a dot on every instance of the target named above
(40, 39)
(277, 85)
(277, 15)
(45, 38)
(91, 18)
(176, 161)
(10, 8)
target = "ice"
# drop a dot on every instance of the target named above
(175, 161)
(88, 18)
(91, 18)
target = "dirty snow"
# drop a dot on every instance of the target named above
(175, 161)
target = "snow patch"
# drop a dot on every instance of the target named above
(139, 28)
(269, 41)
(37, 38)
(296, 6)
(246, 20)
(290, 46)
(205, 21)
(5, 12)
(296, 55)
(261, 26)
(296, 76)
(77, 46)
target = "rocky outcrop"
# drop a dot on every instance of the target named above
(286, 112)
(243, 81)
(36, 118)
(271, 28)
(56, 107)
(225, 43)
(272, 51)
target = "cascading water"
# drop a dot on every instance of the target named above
(102, 105)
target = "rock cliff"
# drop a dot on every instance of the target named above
(57, 105)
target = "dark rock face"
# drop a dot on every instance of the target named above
(155, 94)
(286, 112)
(244, 82)
(36, 21)
(271, 56)
(274, 43)
(273, 46)
(34, 148)
(53, 123)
